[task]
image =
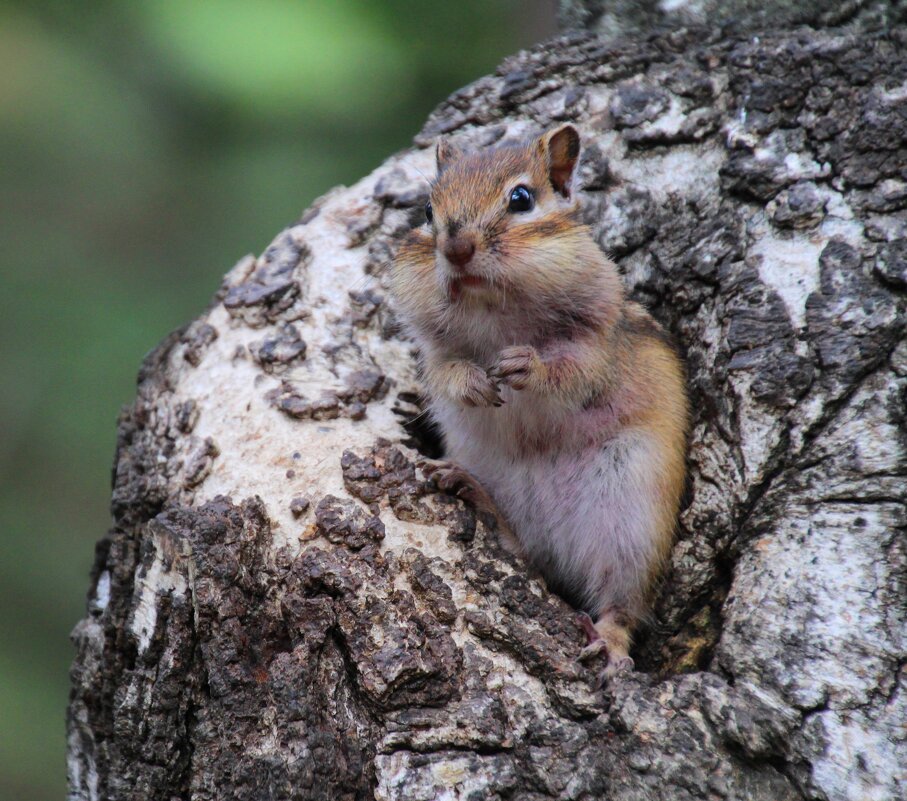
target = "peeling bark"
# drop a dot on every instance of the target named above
(285, 606)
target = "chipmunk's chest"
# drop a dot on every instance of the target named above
(481, 333)
(528, 425)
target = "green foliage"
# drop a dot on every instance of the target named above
(254, 55)
(146, 147)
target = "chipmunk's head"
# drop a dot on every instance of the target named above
(503, 220)
(503, 251)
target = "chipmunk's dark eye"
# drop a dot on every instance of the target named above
(429, 214)
(521, 199)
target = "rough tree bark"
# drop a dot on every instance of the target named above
(284, 608)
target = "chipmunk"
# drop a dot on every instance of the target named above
(559, 400)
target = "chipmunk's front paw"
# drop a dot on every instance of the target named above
(518, 366)
(477, 388)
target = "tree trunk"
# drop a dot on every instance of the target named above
(285, 608)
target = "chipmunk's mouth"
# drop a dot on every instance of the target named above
(461, 282)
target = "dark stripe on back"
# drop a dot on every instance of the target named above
(642, 325)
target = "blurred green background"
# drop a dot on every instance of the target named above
(144, 148)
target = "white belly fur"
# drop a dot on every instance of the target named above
(582, 510)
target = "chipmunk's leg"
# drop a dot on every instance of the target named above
(457, 480)
(629, 538)
(610, 634)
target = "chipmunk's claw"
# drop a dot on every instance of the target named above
(450, 477)
(516, 366)
(619, 667)
(481, 390)
(429, 466)
(592, 650)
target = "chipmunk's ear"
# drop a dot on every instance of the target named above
(445, 153)
(561, 149)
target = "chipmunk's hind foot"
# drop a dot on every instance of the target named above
(457, 480)
(610, 636)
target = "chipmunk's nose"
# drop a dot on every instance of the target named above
(459, 251)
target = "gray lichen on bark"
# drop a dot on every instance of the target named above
(613, 18)
(286, 608)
